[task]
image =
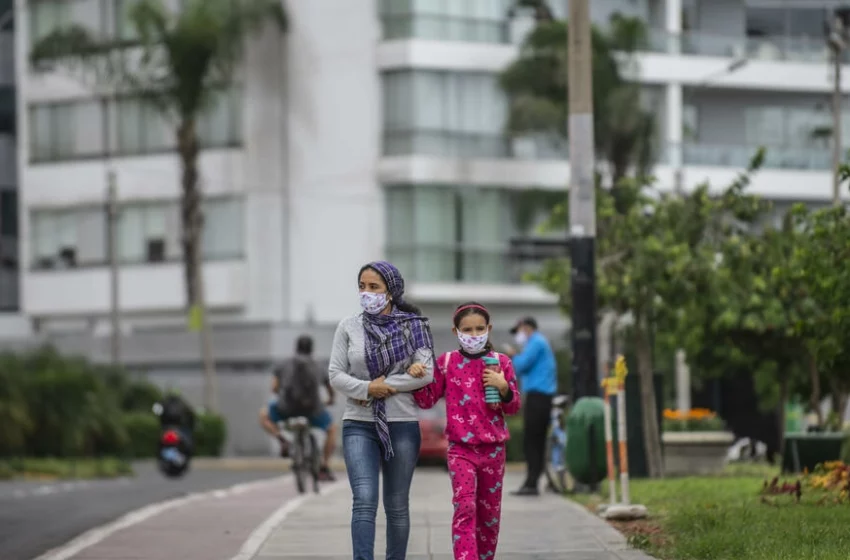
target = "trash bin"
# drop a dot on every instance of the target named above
(586, 442)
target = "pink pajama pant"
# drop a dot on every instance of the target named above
(477, 472)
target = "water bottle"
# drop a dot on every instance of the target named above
(491, 394)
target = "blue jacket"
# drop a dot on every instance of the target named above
(535, 366)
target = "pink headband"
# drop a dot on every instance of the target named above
(472, 306)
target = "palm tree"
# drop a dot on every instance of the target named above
(536, 84)
(175, 62)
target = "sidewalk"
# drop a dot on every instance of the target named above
(544, 528)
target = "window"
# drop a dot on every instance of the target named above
(459, 234)
(9, 213)
(223, 236)
(48, 15)
(141, 128)
(469, 20)
(221, 125)
(66, 130)
(142, 233)
(444, 113)
(124, 28)
(766, 22)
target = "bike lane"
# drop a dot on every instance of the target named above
(211, 526)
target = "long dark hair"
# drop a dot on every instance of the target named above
(402, 304)
(472, 308)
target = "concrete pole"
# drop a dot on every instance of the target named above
(582, 201)
(114, 283)
(837, 46)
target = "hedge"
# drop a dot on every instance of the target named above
(58, 406)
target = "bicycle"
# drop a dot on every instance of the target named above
(303, 450)
(556, 444)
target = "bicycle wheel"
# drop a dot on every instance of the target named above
(314, 461)
(298, 464)
(556, 471)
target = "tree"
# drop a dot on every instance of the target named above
(655, 253)
(175, 63)
(536, 84)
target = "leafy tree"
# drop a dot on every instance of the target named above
(176, 62)
(818, 265)
(536, 84)
(654, 254)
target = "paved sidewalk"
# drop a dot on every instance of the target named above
(544, 528)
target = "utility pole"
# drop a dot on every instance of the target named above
(836, 39)
(112, 243)
(582, 234)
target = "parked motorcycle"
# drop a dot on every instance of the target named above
(175, 449)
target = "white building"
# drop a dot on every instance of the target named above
(373, 129)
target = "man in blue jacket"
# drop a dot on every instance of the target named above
(537, 372)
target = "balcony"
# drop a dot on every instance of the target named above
(445, 28)
(739, 156)
(84, 292)
(473, 145)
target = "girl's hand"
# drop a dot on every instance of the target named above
(494, 378)
(416, 370)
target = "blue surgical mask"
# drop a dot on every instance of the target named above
(373, 303)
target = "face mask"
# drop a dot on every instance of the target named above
(472, 344)
(373, 303)
(521, 338)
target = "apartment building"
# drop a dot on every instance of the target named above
(8, 165)
(373, 129)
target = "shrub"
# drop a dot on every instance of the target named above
(210, 434)
(143, 434)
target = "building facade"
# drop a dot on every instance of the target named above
(372, 129)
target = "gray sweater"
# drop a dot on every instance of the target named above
(350, 376)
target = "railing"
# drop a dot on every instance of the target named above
(445, 28)
(458, 263)
(779, 48)
(776, 157)
(452, 143)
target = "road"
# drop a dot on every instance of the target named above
(36, 517)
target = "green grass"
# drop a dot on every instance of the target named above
(51, 469)
(724, 518)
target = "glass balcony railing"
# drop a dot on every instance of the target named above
(776, 157)
(451, 263)
(780, 48)
(460, 144)
(445, 28)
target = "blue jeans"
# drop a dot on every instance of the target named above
(363, 461)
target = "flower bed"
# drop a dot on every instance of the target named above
(694, 442)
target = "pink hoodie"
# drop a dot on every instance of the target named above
(468, 418)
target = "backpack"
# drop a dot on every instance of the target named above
(299, 390)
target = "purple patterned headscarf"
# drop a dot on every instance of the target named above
(391, 339)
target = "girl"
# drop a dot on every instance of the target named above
(477, 431)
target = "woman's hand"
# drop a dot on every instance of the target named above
(378, 388)
(494, 378)
(417, 370)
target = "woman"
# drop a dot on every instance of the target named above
(373, 351)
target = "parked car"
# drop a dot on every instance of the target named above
(432, 424)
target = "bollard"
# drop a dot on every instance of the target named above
(609, 388)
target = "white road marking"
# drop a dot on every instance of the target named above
(261, 534)
(98, 534)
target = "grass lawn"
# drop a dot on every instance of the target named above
(724, 517)
(53, 469)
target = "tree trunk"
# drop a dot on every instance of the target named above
(840, 397)
(651, 432)
(783, 396)
(814, 400)
(192, 224)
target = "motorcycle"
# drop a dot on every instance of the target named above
(174, 450)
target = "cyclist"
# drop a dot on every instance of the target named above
(276, 412)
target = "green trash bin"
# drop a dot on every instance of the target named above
(586, 441)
